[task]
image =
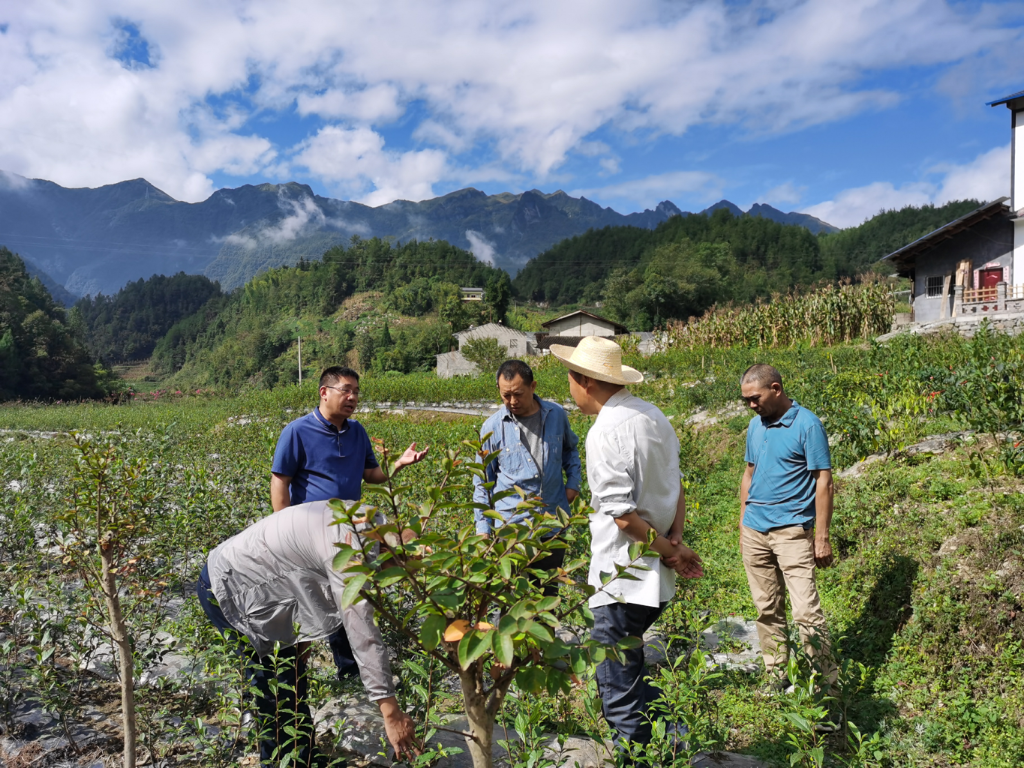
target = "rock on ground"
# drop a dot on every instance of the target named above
(362, 730)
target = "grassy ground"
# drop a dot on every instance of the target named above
(927, 594)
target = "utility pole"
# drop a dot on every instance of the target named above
(300, 359)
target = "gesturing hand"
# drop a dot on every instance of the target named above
(411, 456)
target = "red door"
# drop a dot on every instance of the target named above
(987, 278)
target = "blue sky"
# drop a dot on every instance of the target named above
(837, 109)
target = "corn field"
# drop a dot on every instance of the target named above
(829, 315)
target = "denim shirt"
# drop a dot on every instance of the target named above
(515, 466)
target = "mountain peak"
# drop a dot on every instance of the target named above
(734, 209)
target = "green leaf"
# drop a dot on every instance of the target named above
(508, 626)
(504, 649)
(474, 645)
(505, 566)
(530, 679)
(539, 631)
(548, 603)
(432, 631)
(341, 559)
(390, 576)
(629, 643)
(350, 596)
(577, 661)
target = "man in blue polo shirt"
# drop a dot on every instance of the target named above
(785, 513)
(327, 455)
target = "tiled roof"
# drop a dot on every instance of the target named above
(1011, 97)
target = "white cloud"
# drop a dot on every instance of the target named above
(651, 190)
(481, 247)
(523, 84)
(12, 181)
(354, 161)
(243, 241)
(303, 214)
(375, 104)
(784, 194)
(985, 178)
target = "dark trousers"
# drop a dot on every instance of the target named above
(626, 696)
(549, 563)
(344, 659)
(278, 711)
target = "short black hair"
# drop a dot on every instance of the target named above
(762, 375)
(332, 375)
(512, 368)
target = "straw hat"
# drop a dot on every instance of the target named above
(599, 359)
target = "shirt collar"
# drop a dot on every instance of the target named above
(326, 424)
(786, 420)
(618, 398)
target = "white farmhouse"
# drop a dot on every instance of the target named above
(517, 343)
(581, 323)
(973, 267)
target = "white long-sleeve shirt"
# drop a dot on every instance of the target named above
(632, 465)
(278, 574)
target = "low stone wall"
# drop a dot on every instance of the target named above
(966, 325)
(455, 364)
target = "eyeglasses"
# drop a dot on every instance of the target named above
(344, 390)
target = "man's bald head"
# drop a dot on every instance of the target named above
(762, 376)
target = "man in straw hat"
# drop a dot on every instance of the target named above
(633, 471)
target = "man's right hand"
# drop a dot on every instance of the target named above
(399, 727)
(684, 561)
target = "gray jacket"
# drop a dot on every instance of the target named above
(277, 574)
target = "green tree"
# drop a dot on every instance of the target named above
(498, 296)
(43, 357)
(441, 592)
(488, 354)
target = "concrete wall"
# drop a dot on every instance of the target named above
(988, 244)
(1017, 162)
(1018, 252)
(581, 325)
(516, 342)
(454, 364)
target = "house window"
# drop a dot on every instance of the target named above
(513, 343)
(935, 285)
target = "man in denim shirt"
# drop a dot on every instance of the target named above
(537, 446)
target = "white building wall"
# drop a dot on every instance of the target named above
(1017, 161)
(516, 342)
(1017, 278)
(580, 326)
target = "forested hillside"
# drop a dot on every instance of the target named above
(249, 336)
(688, 264)
(860, 247)
(42, 356)
(126, 326)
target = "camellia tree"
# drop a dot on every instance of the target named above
(443, 591)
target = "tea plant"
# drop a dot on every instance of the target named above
(441, 591)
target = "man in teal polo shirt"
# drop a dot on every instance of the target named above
(785, 513)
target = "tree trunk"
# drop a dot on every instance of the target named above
(481, 722)
(126, 661)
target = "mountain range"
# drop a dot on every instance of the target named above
(87, 241)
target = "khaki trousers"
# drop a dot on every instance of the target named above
(776, 562)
